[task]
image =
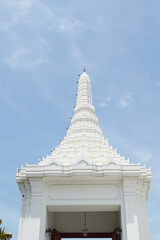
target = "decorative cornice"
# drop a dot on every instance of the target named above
(36, 186)
(22, 188)
(136, 186)
(28, 189)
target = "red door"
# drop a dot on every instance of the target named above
(56, 235)
(114, 236)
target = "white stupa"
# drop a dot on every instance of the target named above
(84, 176)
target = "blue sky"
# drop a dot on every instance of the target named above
(43, 47)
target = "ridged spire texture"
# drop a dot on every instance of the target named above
(84, 140)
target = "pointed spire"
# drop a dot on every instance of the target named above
(84, 95)
(84, 138)
(84, 69)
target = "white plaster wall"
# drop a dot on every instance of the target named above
(131, 209)
(83, 191)
(22, 220)
(62, 204)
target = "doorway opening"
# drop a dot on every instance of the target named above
(69, 225)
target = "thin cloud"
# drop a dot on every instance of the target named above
(24, 58)
(123, 103)
(77, 55)
(16, 107)
(126, 101)
(24, 25)
(143, 154)
(15, 59)
(18, 11)
(68, 26)
(104, 102)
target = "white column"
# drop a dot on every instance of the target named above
(44, 216)
(27, 210)
(144, 210)
(23, 207)
(49, 224)
(131, 213)
(140, 209)
(47, 218)
(141, 193)
(36, 208)
(123, 216)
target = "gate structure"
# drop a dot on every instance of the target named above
(84, 174)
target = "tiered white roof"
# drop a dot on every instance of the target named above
(84, 139)
(84, 152)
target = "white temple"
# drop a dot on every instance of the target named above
(84, 181)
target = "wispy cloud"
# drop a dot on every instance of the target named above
(68, 26)
(24, 58)
(143, 154)
(18, 12)
(27, 48)
(158, 84)
(16, 57)
(104, 102)
(27, 27)
(125, 101)
(16, 107)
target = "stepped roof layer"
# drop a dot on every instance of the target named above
(84, 139)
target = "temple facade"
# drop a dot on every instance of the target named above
(84, 188)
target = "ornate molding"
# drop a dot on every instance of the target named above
(28, 189)
(137, 187)
(22, 189)
(36, 186)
